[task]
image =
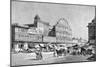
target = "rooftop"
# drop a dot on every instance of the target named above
(19, 25)
(93, 22)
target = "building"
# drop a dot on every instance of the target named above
(92, 32)
(39, 32)
(39, 25)
(45, 28)
(21, 38)
(17, 29)
(29, 34)
(79, 41)
(63, 32)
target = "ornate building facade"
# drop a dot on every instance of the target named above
(63, 32)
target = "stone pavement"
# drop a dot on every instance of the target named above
(30, 58)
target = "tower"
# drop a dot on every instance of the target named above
(36, 19)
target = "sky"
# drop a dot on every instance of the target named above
(78, 16)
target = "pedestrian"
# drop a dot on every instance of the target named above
(38, 53)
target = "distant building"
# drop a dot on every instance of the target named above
(40, 25)
(92, 32)
(63, 32)
(79, 41)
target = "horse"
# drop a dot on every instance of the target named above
(83, 51)
(60, 52)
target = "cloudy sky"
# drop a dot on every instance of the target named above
(78, 16)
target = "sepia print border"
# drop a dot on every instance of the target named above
(48, 3)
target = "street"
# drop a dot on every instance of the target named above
(29, 59)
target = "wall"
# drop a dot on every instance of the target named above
(43, 27)
(21, 34)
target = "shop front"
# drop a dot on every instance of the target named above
(25, 42)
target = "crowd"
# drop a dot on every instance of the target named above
(57, 50)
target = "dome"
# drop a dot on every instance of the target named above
(37, 17)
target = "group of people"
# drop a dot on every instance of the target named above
(66, 51)
(59, 51)
(73, 51)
